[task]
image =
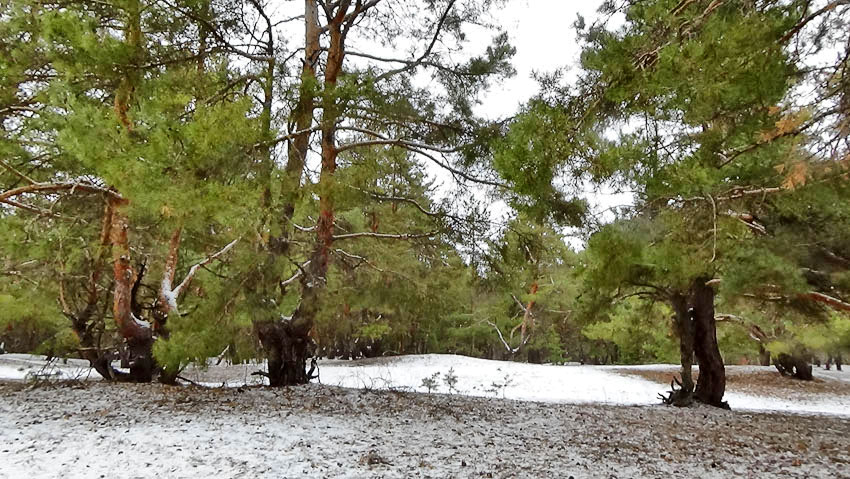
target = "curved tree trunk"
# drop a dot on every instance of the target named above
(794, 365)
(137, 334)
(711, 385)
(683, 327)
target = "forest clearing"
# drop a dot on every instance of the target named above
(385, 430)
(435, 238)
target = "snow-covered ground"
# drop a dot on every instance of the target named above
(81, 430)
(572, 384)
(374, 428)
(560, 384)
(27, 366)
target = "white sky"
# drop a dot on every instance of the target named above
(541, 31)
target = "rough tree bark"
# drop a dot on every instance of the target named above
(711, 384)
(302, 116)
(684, 328)
(136, 333)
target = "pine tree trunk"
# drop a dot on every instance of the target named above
(711, 385)
(286, 342)
(685, 331)
(288, 347)
(764, 355)
(302, 117)
(136, 333)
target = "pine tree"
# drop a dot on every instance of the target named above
(125, 108)
(690, 105)
(364, 100)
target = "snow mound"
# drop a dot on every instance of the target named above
(573, 384)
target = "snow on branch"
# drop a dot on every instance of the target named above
(188, 279)
(171, 294)
(504, 342)
(828, 300)
(295, 276)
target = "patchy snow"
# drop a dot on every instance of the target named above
(29, 366)
(574, 384)
(97, 429)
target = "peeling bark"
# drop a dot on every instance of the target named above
(137, 333)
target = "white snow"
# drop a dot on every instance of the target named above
(169, 294)
(141, 322)
(575, 384)
(27, 366)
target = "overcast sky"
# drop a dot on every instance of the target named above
(541, 31)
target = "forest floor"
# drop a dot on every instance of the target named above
(77, 428)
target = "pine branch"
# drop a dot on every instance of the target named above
(290, 136)
(211, 28)
(416, 148)
(57, 187)
(33, 209)
(366, 234)
(17, 173)
(383, 140)
(410, 65)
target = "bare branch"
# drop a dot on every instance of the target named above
(366, 234)
(828, 300)
(410, 65)
(802, 23)
(33, 209)
(383, 140)
(504, 342)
